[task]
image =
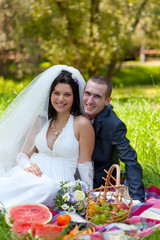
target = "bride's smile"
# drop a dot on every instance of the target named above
(62, 97)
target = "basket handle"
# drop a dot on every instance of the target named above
(109, 176)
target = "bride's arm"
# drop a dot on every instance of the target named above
(28, 148)
(23, 160)
(86, 137)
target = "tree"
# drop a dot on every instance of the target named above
(94, 36)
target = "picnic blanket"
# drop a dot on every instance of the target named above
(144, 219)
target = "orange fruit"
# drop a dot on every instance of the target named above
(100, 201)
(63, 219)
(67, 237)
(91, 205)
(74, 232)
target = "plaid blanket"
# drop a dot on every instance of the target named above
(144, 218)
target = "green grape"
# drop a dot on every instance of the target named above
(91, 214)
(109, 216)
(111, 206)
(107, 208)
(98, 222)
(103, 217)
(97, 207)
(103, 207)
(91, 220)
(121, 211)
(97, 218)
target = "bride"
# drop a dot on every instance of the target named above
(45, 138)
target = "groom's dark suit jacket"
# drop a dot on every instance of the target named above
(111, 145)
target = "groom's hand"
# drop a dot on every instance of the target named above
(34, 169)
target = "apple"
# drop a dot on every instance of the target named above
(122, 205)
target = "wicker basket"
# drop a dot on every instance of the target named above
(104, 204)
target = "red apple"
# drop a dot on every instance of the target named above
(122, 205)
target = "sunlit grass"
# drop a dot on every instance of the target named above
(142, 117)
(137, 75)
(149, 91)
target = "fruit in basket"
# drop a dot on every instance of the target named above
(97, 207)
(122, 206)
(100, 201)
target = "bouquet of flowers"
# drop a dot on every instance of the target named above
(72, 197)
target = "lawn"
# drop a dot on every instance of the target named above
(136, 73)
(139, 108)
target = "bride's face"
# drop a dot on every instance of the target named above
(62, 97)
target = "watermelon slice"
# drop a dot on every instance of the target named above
(46, 231)
(21, 229)
(36, 230)
(28, 212)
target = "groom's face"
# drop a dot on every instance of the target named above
(94, 98)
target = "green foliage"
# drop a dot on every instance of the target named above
(9, 90)
(86, 34)
(4, 228)
(137, 75)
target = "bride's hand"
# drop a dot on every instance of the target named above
(34, 169)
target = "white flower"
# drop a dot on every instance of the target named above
(75, 194)
(78, 181)
(80, 205)
(64, 206)
(68, 185)
(85, 201)
(66, 197)
(79, 195)
(72, 209)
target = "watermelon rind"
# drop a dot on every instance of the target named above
(7, 213)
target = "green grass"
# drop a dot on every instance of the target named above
(137, 75)
(142, 119)
(5, 232)
(139, 108)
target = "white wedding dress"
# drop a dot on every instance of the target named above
(58, 164)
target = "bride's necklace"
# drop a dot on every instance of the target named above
(56, 133)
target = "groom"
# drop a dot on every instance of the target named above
(111, 143)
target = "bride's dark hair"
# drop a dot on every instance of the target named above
(66, 77)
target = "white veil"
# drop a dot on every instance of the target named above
(30, 106)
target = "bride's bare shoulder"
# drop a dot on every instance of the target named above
(82, 125)
(83, 128)
(82, 121)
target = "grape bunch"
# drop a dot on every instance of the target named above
(102, 213)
